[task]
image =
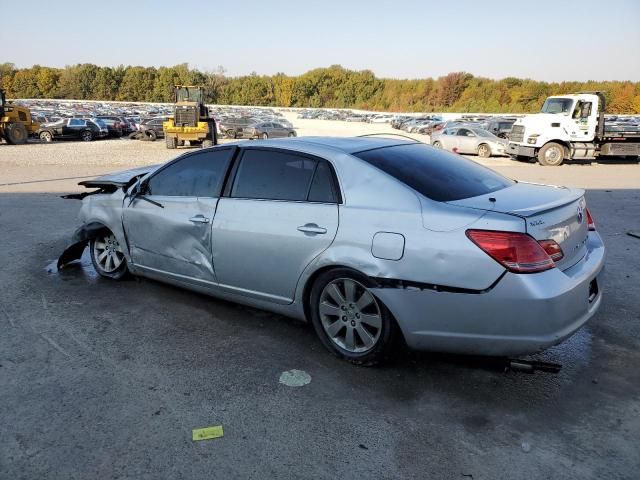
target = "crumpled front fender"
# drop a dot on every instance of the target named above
(79, 241)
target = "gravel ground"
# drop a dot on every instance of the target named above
(103, 379)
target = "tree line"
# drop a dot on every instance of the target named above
(333, 87)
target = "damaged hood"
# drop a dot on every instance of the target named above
(119, 179)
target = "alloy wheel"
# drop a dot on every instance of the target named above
(107, 253)
(350, 315)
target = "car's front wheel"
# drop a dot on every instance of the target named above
(107, 256)
(437, 144)
(484, 150)
(86, 136)
(350, 321)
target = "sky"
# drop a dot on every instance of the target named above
(543, 40)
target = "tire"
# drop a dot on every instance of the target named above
(436, 144)
(264, 136)
(151, 134)
(86, 136)
(292, 134)
(230, 133)
(171, 142)
(206, 143)
(16, 134)
(46, 136)
(107, 257)
(484, 150)
(339, 302)
(551, 155)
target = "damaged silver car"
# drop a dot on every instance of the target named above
(369, 239)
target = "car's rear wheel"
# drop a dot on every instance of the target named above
(437, 144)
(107, 256)
(551, 155)
(86, 136)
(484, 150)
(292, 134)
(265, 136)
(46, 136)
(350, 321)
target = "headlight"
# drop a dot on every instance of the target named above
(533, 138)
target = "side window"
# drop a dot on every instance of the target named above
(197, 175)
(22, 116)
(322, 186)
(74, 122)
(463, 132)
(271, 175)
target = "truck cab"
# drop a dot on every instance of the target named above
(569, 127)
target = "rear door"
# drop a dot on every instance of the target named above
(169, 233)
(279, 213)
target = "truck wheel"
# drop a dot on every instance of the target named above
(484, 151)
(551, 155)
(172, 142)
(16, 134)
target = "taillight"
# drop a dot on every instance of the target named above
(590, 223)
(517, 252)
(552, 248)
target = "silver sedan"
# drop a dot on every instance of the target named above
(369, 239)
(469, 140)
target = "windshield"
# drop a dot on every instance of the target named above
(557, 105)
(189, 94)
(436, 174)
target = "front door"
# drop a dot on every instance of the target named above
(281, 213)
(168, 227)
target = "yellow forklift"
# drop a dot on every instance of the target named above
(16, 124)
(191, 120)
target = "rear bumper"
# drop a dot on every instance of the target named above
(521, 314)
(520, 151)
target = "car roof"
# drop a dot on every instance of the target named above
(343, 144)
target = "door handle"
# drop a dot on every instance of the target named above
(312, 228)
(199, 219)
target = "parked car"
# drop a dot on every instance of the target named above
(154, 125)
(469, 140)
(265, 130)
(500, 127)
(118, 126)
(453, 257)
(114, 127)
(71, 128)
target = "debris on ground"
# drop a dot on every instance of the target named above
(526, 447)
(207, 433)
(295, 378)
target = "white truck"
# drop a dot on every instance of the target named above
(571, 127)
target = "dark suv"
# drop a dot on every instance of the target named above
(154, 125)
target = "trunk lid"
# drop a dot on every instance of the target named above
(550, 213)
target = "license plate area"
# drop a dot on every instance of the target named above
(593, 290)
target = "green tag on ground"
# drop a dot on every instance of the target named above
(207, 433)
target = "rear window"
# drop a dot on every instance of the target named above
(436, 174)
